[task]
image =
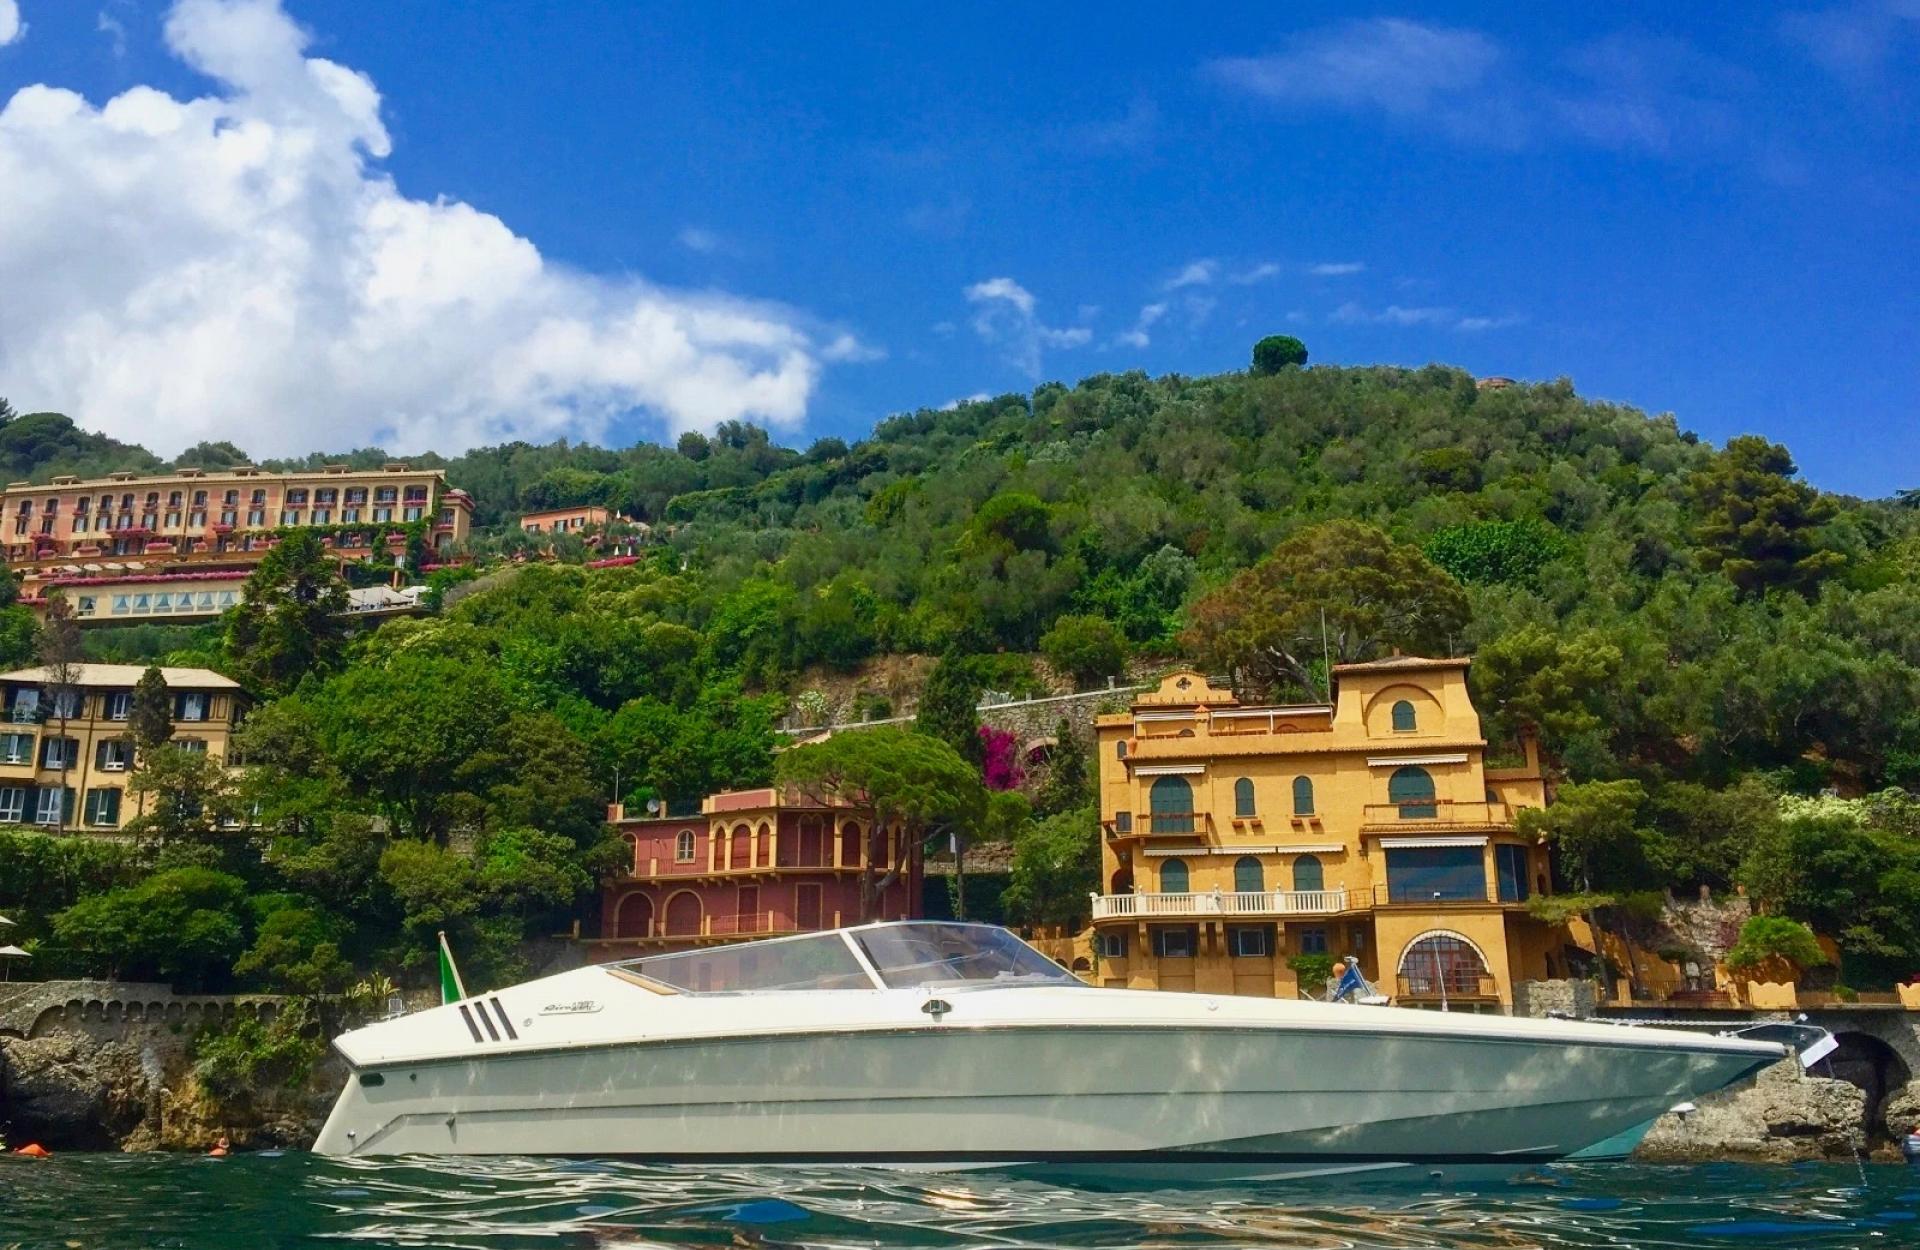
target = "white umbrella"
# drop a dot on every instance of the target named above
(11, 952)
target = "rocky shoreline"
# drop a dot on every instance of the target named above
(72, 1092)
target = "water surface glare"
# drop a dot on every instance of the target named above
(93, 1202)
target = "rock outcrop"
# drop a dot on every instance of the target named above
(1781, 1116)
(69, 1091)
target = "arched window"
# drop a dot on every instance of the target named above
(1247, 877)
(1308, 874)
(635, 917)
(1243, 797)
(1412, 788)
(1122, 882)
(683, 847)
(1120, 749)
(633, 854)
(1173, 877)
(1442, 962)
(1303, 796)
(1171, 801)
(1403, 720)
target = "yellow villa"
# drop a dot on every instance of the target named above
(1237, 837)
(66, 756)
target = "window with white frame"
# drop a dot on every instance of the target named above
(683, 847)
(114, 755)
(13, 804)
(103, 808)
(119, 704)
(59, 754)
(192, 746)
(16, 748)
(50, 805)
(191, 706)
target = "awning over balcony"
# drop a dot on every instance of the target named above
(1305, 848)
(1399, 761)
(1168, 770)
(1407, 844)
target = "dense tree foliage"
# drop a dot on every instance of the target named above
(289, 623)
(1696, 623)
(1339, 591)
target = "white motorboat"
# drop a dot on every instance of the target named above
(950, 1045)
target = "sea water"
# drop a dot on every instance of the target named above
(80, 1202)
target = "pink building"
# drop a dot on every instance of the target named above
(752, 863)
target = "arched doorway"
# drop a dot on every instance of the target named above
(1864, 1061)
(1247, 876)
(1122, 882)
(1173, 876)
(1440, 964)
(634, 917)
(1308, 874)
(1171, 804)
(683, 914)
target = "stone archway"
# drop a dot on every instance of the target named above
(1870, 1064)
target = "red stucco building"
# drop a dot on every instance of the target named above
(751, 863)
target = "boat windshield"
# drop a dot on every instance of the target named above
(912, 955)
(907, 956)
(814, 962)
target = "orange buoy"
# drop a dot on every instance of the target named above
(34, 1150)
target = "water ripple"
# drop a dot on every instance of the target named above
(81, 1202)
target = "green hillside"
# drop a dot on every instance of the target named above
(1693, 633)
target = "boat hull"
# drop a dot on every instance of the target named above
(1156, 1101)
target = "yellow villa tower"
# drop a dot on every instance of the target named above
(1238, 837)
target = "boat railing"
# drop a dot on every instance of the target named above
(1220, 903)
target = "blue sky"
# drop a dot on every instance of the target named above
(1698, 209)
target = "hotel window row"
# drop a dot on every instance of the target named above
(54, 806)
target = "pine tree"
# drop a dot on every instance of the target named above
(949, 706)
(290, 620)
(1067, 786)
(1757, 524)
(150, 720)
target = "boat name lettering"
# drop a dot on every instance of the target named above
(577, 1007)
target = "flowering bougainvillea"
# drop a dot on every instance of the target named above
(1000, 759)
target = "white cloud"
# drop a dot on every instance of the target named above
(1336, 269)
(1855, 43)
(845, 348)
(1354, 313)
(114, 29)
(1138, 336)
(237, 266)
(11, 27)
(696, 239)
(978, 397)
(1197, 273)
(1391, 64)
(1005, 314)
(1626, 92)
(1253, 274)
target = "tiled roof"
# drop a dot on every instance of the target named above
(1401, 663)
(129, 675)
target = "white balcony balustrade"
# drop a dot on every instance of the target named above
(1219, 903)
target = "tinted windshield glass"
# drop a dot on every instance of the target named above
(805, 963)
(912, 955)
